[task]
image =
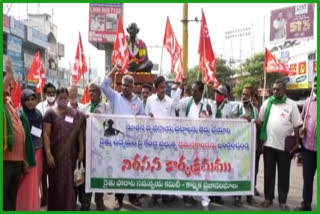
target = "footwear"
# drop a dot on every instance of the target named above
(85, 207)
(100, 206)
(135, 202)
(188, 201)
(118, 205)
(237, 202)
(284, 207)
(252, 202)
(218, 200)
(266, 203)
(302, 208)
(256, 192)
(205, 208)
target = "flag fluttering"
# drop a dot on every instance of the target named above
(170, 42)
(86, 96)
(273, 65)
(16, 97)
(80, 65)
(36, 73)
(120, 52)
(208, 62)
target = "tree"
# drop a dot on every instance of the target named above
(252, 72)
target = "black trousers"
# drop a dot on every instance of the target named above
(12, 172)
(309, 169)
(85, 198)
(274, 158)
(257, 167)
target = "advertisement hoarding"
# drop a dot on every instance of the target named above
(292, 22)
(103, 22)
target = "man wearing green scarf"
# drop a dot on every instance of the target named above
(280, 117)
(96, 106)
(246, 110)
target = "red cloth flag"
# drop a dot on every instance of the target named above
(170, 42)
(271, 64)
(179, 75)
(120, 52)
(205, 48)
(36, 73)
(208, 75)
(16, 98)
(86, 96)
(80, 65)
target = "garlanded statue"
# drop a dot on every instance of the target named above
(138, 55)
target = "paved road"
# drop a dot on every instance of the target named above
(294, 197)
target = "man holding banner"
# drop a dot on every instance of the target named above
(124, 103)
(96, 106)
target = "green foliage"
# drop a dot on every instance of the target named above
(252, 72)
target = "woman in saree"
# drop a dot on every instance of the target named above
(64, 144)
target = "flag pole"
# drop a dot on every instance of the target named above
(161, 60)
(264, 84)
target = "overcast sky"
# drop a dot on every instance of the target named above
(151, 19)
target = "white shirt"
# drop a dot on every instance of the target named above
(45, 107)
(282, 119)
(226, 111)
(160, 108)
(195, 109)
(101, 108)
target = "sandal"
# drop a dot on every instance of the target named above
(266, 203)
(118, 205)
(284, 207)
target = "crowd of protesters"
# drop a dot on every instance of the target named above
(43, 142)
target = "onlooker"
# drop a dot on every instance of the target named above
(28, 198)
(309, 134)
(13, 144)
(124, 103)
(280, 116)
(96, 106)
(49, 91)
(73, 102)
(64, 144)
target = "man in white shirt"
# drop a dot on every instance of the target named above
(280, 116)
(146, 92)
(195, 107)
(50, 92)
(159, 104)
(221, 108)
(95, 106)
(73, 98)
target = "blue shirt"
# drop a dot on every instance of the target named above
(119, 104)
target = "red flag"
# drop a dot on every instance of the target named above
(208, 75)
(179, 76)
(170, 42)
(36, 73)
(86, 96)
(80, 64)
(271, 64)
(16, 98)
(205, 48)
(120, 52)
